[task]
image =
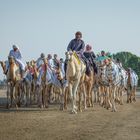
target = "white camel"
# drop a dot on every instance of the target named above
(75, 71)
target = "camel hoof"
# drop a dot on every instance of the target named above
(46, 106)
(65, 108)
(61, 108)
(17, 107)
(107, 108)
(73, 112)
(85, 108)
(40, 106)
(7, 106)
(113, 110)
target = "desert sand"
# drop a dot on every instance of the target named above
(94, 123)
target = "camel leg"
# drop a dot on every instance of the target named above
(95, 96)
(28, 93)
(109, 96)
(134, 94)
(101, 94)
(85, 96)
(121, 97)
(61, 100)
(15, 96)
(79, 94)
(43, 97)
(11, 95)
(74, 90)
(113, 100)
(92, 98)
(46, 97)
(65, 98)
(129, 90)
(19, 95)
(90, 95)
(39, 95)
(8, 97)
(71, 96)
(74, 97)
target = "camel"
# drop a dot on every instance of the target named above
(101, 84)
(86, 88)
(75, 72)
(106, 87)
(57, 87)
(121, 89)
(13, 82)
(34, 73)
(113, 77)
(27, 86)
(132, 82)
(42, 88)
(89, 84)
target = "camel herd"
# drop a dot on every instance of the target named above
(107, 87)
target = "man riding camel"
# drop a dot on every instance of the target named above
(50, 61)
(16, 54)
(90, 56)
(78, 46)
(56, 61)
(40, 63)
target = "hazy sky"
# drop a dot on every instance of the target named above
(48, 25)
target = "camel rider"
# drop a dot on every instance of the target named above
(102, 58)
(40, 64)
(50, 62)
(16, 54)
(40, 61)
(62, 66)
(90, 56)
(56, 61)
(103, 54)
(78, 46)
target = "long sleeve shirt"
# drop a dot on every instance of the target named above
(51, 63)
(39, 62)
(15, 54)
(76, 45)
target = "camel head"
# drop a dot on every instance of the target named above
(11, 60)
(1, 62)
(68, 55)
(108, 62)
(3, 65)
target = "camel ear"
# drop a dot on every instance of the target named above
(34, 61)
(71, 52)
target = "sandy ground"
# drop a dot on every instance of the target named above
(51, 124)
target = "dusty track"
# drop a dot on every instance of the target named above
(95, 123)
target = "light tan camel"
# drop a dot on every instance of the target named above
(75, 71)
(13, 82)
